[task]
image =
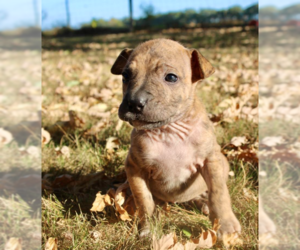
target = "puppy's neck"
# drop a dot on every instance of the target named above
(179, 130)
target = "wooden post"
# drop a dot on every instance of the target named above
(68, 13)
(130, 16)
(36, 13)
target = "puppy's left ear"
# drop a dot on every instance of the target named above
(201, 67)
(121, 61)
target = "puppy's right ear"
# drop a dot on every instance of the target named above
(201, 67)
(121, 61)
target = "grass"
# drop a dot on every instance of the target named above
(66, 209)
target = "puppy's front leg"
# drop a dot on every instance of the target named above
(142, 196)
(218, 198)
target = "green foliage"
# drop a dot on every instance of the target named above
(187, 18)
(113, 22)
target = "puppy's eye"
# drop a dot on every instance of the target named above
(125, 76)
(171, 78)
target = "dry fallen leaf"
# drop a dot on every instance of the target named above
(120, 196)
(46, 137)
(34, 151)
(51, 244)
(46, 185)
(206, 240)
(231, 240)
(129, 205)
(112, 143)
(13, 244)
(119, 125)
(120, 193)
(238, 140)
(116, 199)
(62, 181)
(62, 127)
(5, 137)
(96, 128)
(65, 151)
(123, 213)
(98, 110)
(272, 141)
(99, 203)
(164, 243)
(27, 181)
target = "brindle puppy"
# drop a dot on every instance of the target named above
(174, 155)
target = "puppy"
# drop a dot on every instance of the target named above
(174, 155)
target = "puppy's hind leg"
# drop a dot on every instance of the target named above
(201, 202)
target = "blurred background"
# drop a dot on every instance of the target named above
(136, 14)
(81, 40)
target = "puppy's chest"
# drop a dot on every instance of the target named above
(172, 157)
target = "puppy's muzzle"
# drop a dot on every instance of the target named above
(135, 103)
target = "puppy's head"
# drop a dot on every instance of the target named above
(159, 80)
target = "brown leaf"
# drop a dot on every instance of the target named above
(129, 205)
(248, 156)
(179, 246)
(120, 193)
(13, 244)
(62, 181)
(112, 143)
(208, 238)
(96, 128)
(231, 240)
(5, 137)
(75, 120)
(46, 185)
(164, 243)
(62, 127)
(123, 213)
(99, 203)
(34, 151)
(65, 151)
(238, 140)
(216, 225)
(189, 246)
(28, 181)
(119, 125)
(46, 137)
(6, 184)
(51, 244)
(108, 200)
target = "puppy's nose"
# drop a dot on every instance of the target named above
(137, 103)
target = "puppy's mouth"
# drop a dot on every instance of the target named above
(139, 122)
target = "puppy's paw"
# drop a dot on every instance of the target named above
(229, 231)
(266, 225)
(144, 233)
